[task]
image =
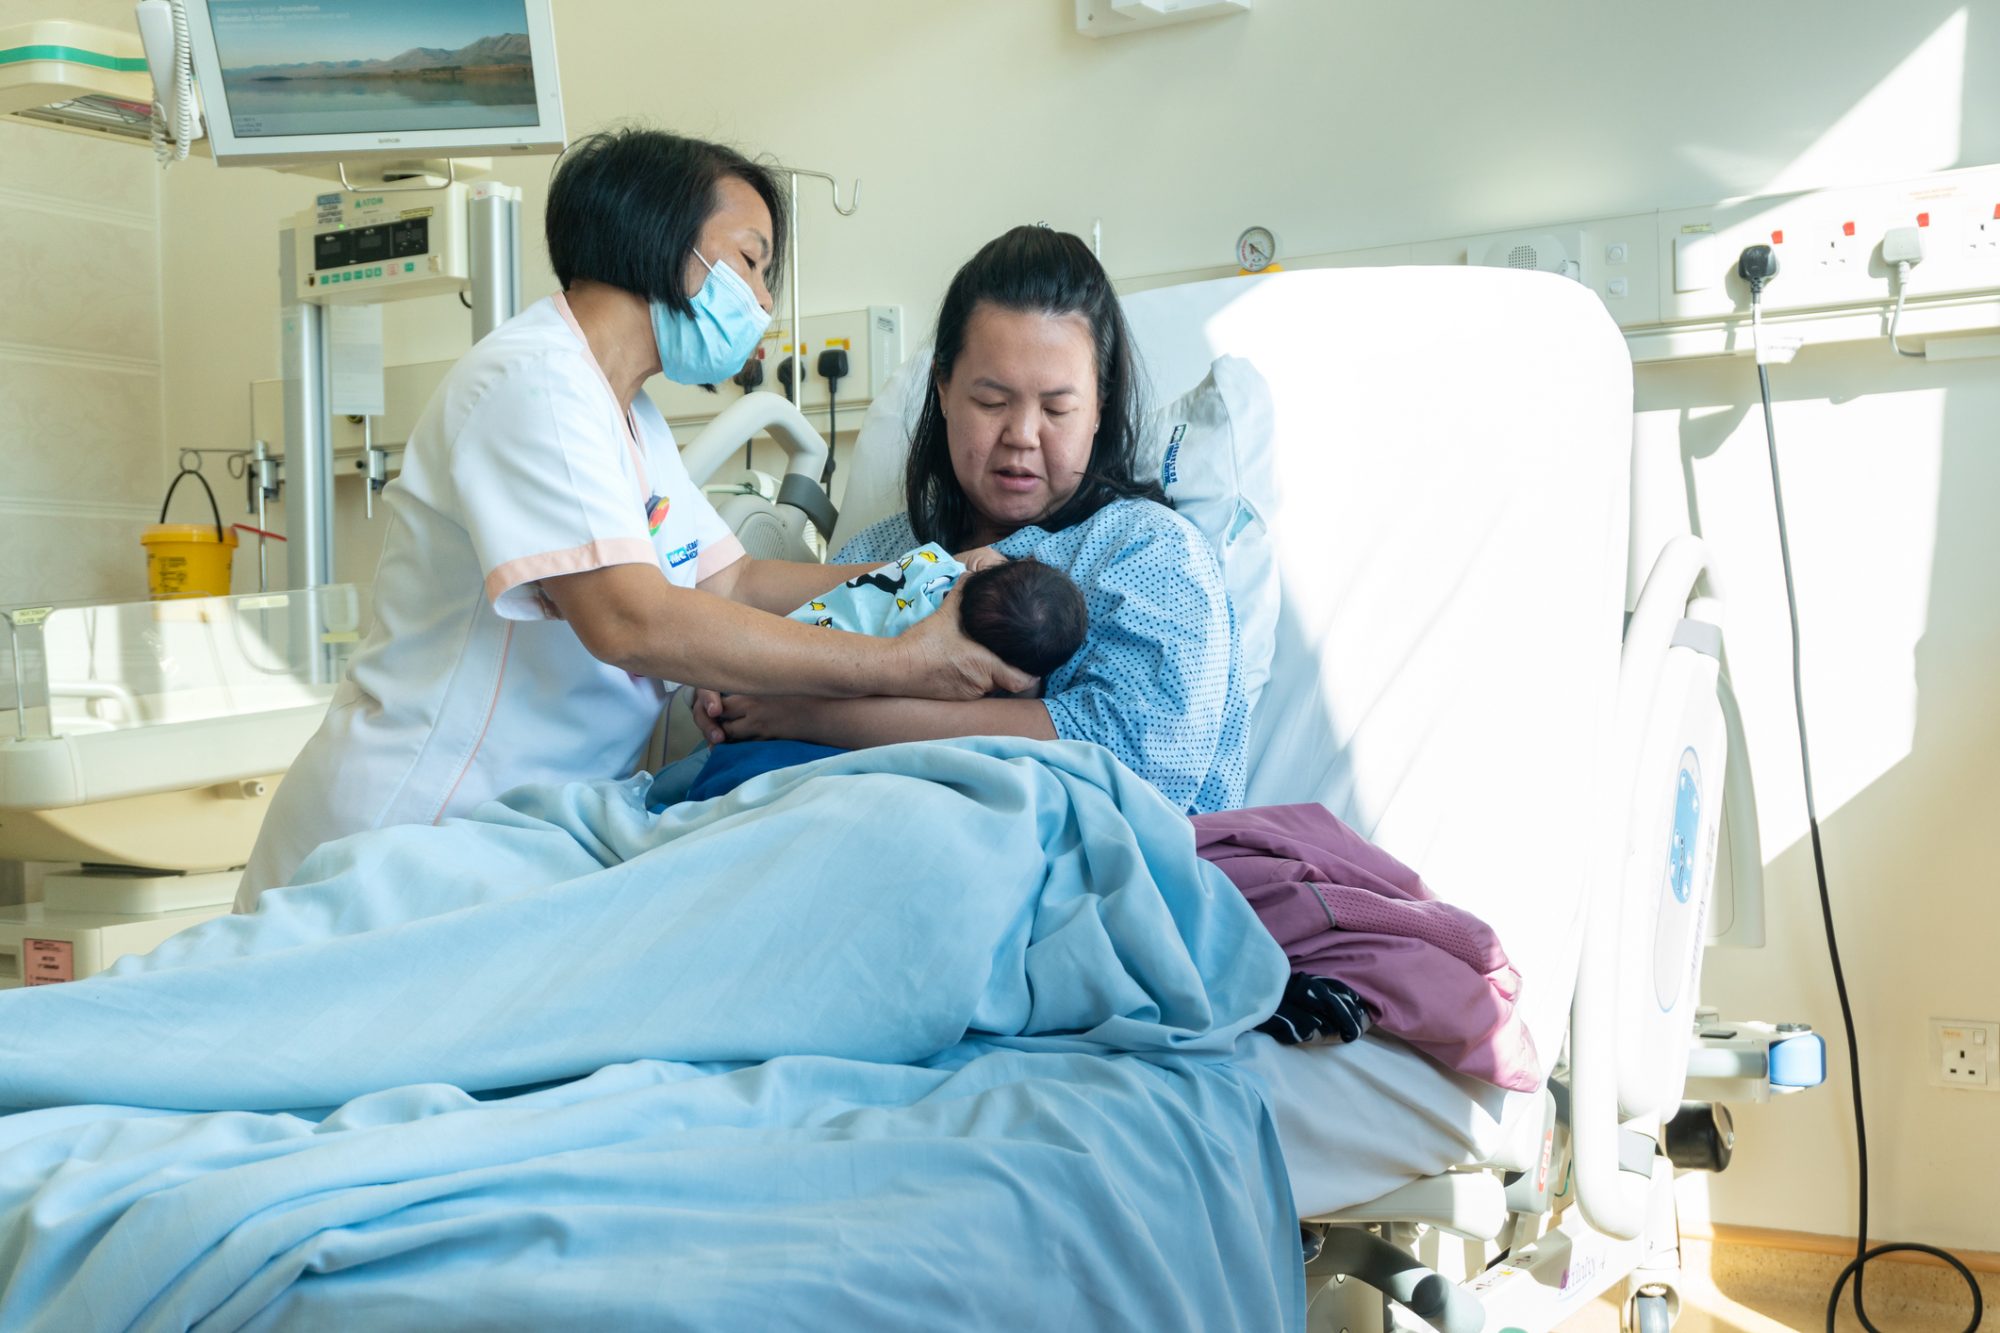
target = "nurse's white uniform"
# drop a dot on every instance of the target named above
(522, 467)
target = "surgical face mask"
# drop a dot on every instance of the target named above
(712, 342)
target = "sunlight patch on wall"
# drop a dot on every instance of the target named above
(1909, 123)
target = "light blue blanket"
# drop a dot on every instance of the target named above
(921, 1037)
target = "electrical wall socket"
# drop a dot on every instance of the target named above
(1963, 1053)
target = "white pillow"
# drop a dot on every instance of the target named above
(1210, 448)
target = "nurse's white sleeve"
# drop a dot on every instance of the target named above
(716, 547)
(546, 482)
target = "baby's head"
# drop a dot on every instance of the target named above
(1030, 616)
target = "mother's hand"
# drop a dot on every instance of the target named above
(754, 717)
(980, 557)
(705, 706)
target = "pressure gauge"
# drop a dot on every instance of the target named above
(1255, 249)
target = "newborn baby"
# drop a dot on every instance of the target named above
(1028, 614)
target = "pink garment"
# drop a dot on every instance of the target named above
(1434, 975)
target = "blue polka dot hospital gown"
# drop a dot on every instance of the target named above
(1158, 681)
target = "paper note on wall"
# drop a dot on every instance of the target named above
(354, 354)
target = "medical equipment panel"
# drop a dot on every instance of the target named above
(367, 248)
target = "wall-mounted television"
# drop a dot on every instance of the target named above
(286, 81)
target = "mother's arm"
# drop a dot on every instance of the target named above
(856, 723)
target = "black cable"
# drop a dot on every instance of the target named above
(1862, 1254)
(832, 435)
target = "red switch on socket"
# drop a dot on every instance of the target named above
(1923, 219)
(1778, 237)
(1847, 229)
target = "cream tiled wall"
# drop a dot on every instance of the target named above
(80, 373)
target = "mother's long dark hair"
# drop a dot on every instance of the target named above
(1039, 271)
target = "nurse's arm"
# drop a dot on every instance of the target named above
(856, 723)
(778, 586)
(632, 618)
(782, 586)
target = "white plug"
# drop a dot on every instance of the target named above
(1902, 250)
(1903, 245)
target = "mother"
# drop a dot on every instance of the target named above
(1028, 441)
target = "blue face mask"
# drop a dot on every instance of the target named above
(710, 344)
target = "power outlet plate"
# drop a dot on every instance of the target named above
(1963, 1054)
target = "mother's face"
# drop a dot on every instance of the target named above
(1021, 412)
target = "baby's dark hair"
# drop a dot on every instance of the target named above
(1030, 615)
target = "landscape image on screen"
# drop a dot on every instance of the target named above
(373, 66)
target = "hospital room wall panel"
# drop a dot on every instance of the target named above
(82, 428)
(91, 175)
(1353, 128)
(63, 554)
(80, 358)
(78, 284)
(104, 13)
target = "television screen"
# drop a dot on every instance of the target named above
(295, 67)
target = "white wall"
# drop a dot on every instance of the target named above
(79, 356)
(1343, 125)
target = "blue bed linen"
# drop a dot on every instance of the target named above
(1159, 679)
(800, 1069)
(727, 767)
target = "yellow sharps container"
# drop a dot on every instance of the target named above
(188, 559)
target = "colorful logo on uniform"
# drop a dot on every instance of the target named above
(656, 513)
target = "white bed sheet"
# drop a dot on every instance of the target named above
(1453, 451)
(1360, 1120)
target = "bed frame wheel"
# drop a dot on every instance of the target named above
(1652, 1310)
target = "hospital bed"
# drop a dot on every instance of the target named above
(1436, 485)
(1481, 662)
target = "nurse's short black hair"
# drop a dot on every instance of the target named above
(1029, 615)
(626, 207)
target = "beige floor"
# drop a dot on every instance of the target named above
(1752, 1289)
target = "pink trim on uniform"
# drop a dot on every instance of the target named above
(718, 556)
(561, 300)
(576, 560)
(492, 707)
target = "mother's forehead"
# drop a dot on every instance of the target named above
(997, 333)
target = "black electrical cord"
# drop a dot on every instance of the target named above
(832, 435)
(1862, 1253)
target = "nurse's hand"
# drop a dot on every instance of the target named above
(944, 664)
